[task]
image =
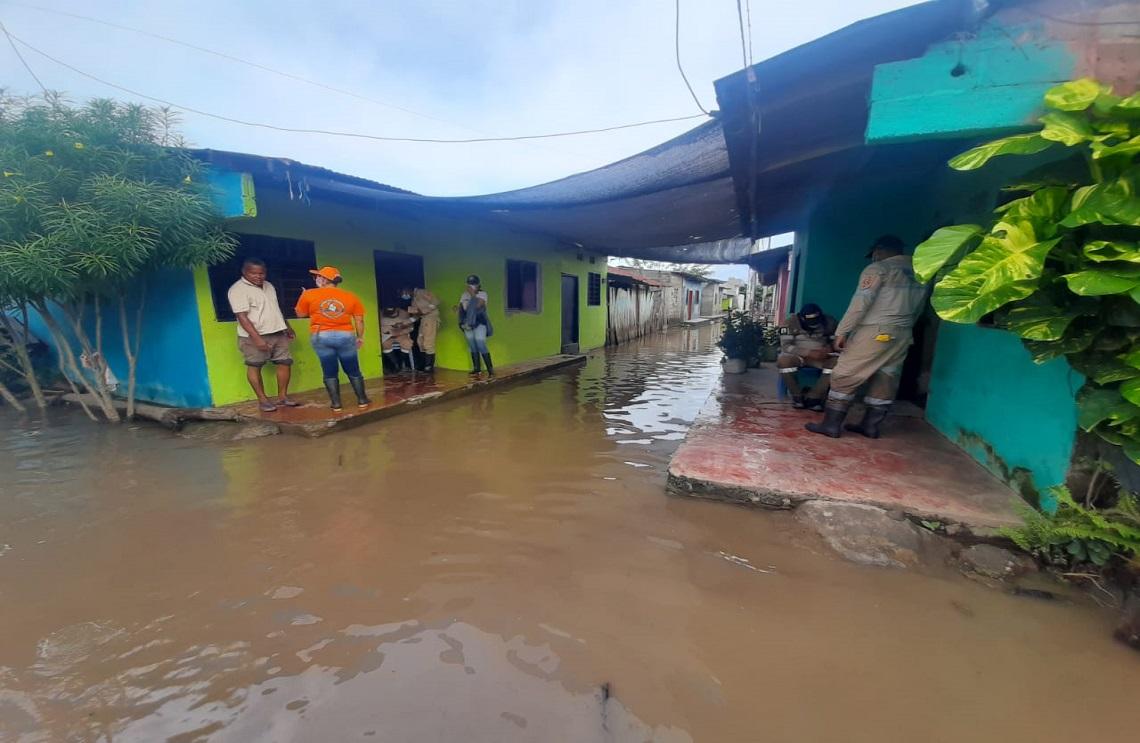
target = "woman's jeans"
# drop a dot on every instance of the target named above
(333, 346)
(477, 339)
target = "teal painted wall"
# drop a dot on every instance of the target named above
(1001, 77)
(985, 387)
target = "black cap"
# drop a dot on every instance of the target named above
(473, 280)
(889, 243)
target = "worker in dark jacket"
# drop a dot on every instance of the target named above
(873, 338)
(805, 340)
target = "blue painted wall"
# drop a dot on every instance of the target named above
(983, 85)
(985, 387)
(172, 358)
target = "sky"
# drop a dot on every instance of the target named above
(466, 68)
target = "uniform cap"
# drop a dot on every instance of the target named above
(889, 243)
(327, 272)
(473, 280)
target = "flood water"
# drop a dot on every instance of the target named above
(506, 567)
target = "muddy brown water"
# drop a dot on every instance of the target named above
(506, 567)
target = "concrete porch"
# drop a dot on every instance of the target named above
(749, 447)
(390, 395)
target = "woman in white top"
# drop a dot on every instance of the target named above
(475, 324)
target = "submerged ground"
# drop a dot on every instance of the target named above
(505, 567)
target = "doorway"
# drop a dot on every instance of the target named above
(569, 313)
(394, 271)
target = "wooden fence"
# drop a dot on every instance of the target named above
(634, 311)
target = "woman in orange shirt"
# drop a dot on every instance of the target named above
(336, 330)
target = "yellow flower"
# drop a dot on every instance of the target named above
(79, 145)
(49, 153)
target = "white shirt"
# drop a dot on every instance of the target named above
(260, 305)
(466, 297)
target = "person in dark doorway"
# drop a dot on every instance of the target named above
(873, 338)
(396, 339)
(805, 340)
(263, 335)
(423, 306)
(476, 326)
(336, 330)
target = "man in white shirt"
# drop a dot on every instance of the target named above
(263, 335)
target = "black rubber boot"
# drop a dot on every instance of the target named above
(798, 402)
(358, 388)
(831, 424)
(487, 361)
(429, 362)
(393, 361)
(476, 364)
(332, 386)
(813, 403)
(872, 420)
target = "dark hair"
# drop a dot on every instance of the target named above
(337, 280)
(889, 243)
(252, 262)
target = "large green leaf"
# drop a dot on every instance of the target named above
(1098, 282)
(1067, 128)
(1042, 208)
(1075, 95)
(1039, 322)
(1075, 341)
(1002, 269)
(1130, 391)
(940, 248)
(1096, 405)
(1104, 368)
(1019, 144)
(1100, 251)
(1112, 203)
(1128, 147)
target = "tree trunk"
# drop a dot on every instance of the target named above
(20, 348)
(68, 365)
(74, 314)
(8, 397)
(131, 344)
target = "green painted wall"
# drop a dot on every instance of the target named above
(1006, 411)
(346, 237)
(985, 84)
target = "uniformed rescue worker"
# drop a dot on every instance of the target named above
(805, 340)
(423, 306)
(873, 338)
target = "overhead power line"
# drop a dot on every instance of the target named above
(743, 42)
(677, 47)
(335, 133)
(24, 62)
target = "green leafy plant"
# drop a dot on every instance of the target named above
(1076, 534)
(1059, 265)
(93, 200)
(743, 337)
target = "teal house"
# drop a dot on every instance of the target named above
(854, 132)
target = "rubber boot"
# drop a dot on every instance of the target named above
(872, 419)
(831, 424)
(429, 362)
(358, 388)
(393, 361)
(332, 386)
(477, 366)
(798, 402)
(487, 361)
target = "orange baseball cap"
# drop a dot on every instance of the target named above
(328, 272)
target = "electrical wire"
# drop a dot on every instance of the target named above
(16, 49)
(335, 133)
(677, 46)
(240, 60)
(748, 15)
(740, 22)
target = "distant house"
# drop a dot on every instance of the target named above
(636, 305)
(546, 296)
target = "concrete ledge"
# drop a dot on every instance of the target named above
(392, 395)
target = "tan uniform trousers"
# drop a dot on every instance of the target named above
(429, 329)
(874, 356)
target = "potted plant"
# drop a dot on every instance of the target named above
(771, 343)
(742, 342)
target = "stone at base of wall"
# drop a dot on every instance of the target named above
(1128, 630)
(995, 562)
(869, 535)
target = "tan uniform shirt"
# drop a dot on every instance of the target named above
(888, 297)
(396, 330)
(795, 339)
(424, 303)
(260, 305)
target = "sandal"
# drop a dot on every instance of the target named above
(266, 407)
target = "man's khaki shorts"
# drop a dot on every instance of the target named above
(278, 352)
